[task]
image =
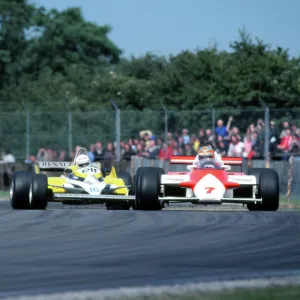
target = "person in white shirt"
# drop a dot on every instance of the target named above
(236, 147)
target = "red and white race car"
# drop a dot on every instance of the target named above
(207, 183)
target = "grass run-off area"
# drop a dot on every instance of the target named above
(4, 194)
(270, 293)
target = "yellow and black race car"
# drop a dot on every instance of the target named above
(76, 185)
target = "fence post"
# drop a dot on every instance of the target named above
(27, 128)
(118, 130)
(267, 133)
(213, 120)
(27, 133)
(70, 132)
(166, 122)
(290, 179)
(70, 125)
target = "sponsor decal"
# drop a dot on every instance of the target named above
(241, 179)
(54, 164)
(90, 170)
(173, 178)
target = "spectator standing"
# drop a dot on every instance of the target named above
(236, 147)
(98, 153)
(286, 140)
(221, 129)
(185, 136)
(91, 152)
(108, 156)
(128, 152)
(152, 151)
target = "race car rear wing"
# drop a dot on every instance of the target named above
(53, 165)
(58, 166)
(184, 159)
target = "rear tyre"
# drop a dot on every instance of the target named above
(147, 188)
(38, 192)
(122, 205)
(268, 189)
(19, 189)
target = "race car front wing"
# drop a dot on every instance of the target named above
(195, 200)
(99, 199)
(64, 197)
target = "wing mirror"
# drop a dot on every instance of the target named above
(226, 167)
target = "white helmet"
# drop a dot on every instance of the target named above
(82, 160)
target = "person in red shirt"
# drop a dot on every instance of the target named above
(286, 142)
(165, 152)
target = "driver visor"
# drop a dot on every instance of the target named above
(83, 165)
(205, 155)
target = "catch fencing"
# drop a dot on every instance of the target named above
(25, 132)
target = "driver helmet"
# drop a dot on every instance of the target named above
(82, 161)
(206, 152)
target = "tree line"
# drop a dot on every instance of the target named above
(51, 60)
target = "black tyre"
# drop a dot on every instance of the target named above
(147, 188)
(38, 193)
(134, 184)
(19, 189)
(268, 189)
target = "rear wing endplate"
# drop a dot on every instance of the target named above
(184, 159)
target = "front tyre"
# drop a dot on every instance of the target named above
(38, 192)
(268, 190)
(147, 188)
(19, 189)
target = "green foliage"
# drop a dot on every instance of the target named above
(57, 61)
(52, 59)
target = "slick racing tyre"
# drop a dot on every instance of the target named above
(19, 189)
(268, 189)
(38, 192)
(147, 188)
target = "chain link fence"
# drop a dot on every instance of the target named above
(24, 133)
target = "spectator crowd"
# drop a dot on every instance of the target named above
(284, 141)
(226, 139)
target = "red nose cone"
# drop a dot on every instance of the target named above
(187, 184)
(231, 185)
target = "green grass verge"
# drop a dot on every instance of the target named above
(293, 203)
(4, 194)
(271, 293)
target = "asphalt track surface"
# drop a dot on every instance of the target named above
(60, 250)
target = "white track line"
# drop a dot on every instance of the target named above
(179, 289)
